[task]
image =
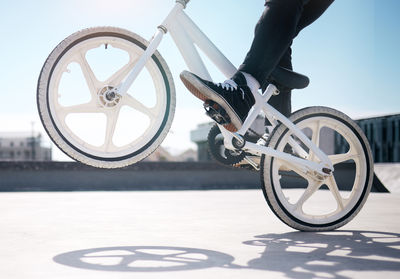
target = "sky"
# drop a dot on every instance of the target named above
(350, 53)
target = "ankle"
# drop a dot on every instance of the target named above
(252, 83)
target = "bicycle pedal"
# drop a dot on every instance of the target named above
(216, 112)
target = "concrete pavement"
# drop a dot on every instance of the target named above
(187, 234)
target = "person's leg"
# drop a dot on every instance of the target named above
(233, 98)
(311, 12)
(283, 101)
(279, 24)
(274, 33)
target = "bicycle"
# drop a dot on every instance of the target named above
(292, 151)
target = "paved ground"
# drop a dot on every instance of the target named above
(192, 234)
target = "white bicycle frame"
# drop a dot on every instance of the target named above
(186, 34)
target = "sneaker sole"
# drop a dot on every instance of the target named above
(199, 90)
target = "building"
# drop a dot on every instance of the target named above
(199, 136)
(162, 155)
(189, 155)
(383, 134)
(20, 146)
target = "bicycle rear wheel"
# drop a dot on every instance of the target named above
(317, 205)
(82, 115)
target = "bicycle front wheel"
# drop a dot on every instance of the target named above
(81, 113)
(315, 204)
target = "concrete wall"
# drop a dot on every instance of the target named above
(71, 176)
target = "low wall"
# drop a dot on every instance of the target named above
(389, 174)
(72, 176)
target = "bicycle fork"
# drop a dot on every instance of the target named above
(151, 48)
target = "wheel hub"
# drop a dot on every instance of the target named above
(108, 97)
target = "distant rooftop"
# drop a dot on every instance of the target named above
(378, 116)
(18, 134)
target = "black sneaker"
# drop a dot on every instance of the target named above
(234, 96)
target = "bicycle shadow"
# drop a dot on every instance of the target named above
(305, 255)
(297, 254)
(144, 259)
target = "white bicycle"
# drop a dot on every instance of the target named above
(106, 98)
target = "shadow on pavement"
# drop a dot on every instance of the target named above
(296, 254)
(144, 258)
(326, 254)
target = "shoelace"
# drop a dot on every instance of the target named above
(230, 85)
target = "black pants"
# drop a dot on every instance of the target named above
(279, 24)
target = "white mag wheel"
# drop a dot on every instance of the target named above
(317, 205)
(82, 114)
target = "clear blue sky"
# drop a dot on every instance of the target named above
(350, 53)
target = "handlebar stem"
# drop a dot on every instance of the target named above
(183, 2)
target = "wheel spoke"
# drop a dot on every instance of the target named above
(91, 80)
(112, 119)
(90, 107)
(119, 75)
(331, 183)
(316, 131)
(340, 158)
(128, 100)
(313, 186)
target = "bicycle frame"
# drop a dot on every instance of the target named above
(186, 34)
